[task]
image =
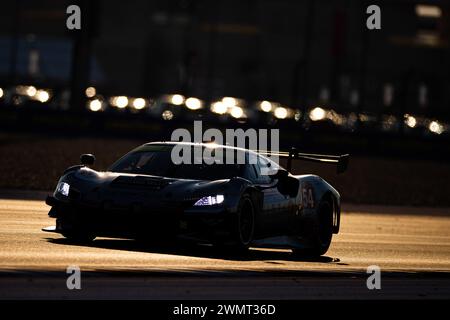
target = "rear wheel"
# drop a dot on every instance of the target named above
(320, 239)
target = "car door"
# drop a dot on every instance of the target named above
(276, 206)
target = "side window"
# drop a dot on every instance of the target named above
(250, 173)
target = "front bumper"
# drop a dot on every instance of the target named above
(133, 220)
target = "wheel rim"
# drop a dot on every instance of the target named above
(246, 222)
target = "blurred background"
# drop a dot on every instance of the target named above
(139, 69)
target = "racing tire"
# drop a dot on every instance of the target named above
(77, 235)
(242, 227)
(320, 239)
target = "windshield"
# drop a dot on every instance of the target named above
(156, 160)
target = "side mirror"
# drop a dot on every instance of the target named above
(87, 159)
(280, 174)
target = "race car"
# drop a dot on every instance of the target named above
(251, 201)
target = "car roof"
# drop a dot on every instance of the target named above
(206, 145)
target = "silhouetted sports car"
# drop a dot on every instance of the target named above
(251, 202)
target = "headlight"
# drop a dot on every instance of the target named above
(210, 200)
(63, 188)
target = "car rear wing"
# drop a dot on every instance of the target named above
(341, 161)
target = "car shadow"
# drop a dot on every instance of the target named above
(198, 251)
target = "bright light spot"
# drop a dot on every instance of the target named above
(410, 121)
(428, 11)
(317, 114)
(229, 102)
(122, 102)
(31, 91)
(177, 99)
(95, 105)
(280, 113)
(119, 102)
(436, 127)
(211, 145)
(193, 103)
(236, 112)
(139, 103)
(42, 96)
(1, 92)
(220, 198)
(90, 92)
(167, 115)
(265, 106)
(63, 188)
(219, 107)
(210, 200)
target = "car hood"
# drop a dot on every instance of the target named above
(95, 186)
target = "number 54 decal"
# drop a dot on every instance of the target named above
(307, 196)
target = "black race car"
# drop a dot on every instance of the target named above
(146, 195)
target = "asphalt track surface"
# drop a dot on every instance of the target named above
(410, 245)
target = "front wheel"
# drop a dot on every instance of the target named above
(320, 238)
(242, 226)
(75, 233)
